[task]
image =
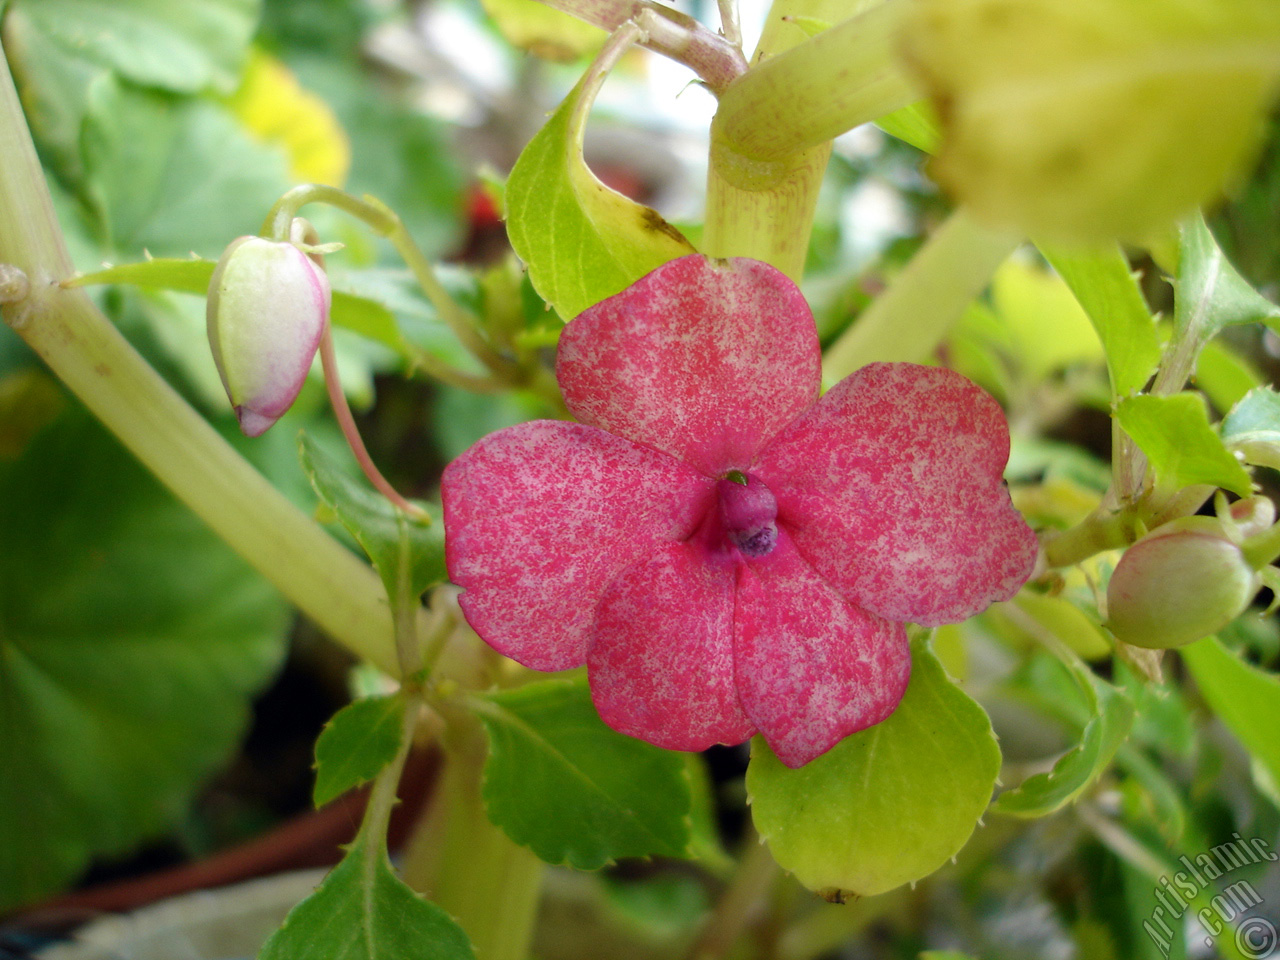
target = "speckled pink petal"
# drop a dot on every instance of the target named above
(541, 517)
(703, 359)
(812, 668)
(891, 489)
(661, 667)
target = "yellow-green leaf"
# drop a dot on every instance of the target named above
(582, 241)
(1245, 697)
(1184, 449)
(886, 806)
(1102, 282)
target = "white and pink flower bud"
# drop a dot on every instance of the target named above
(268, 308)
(1179, 583)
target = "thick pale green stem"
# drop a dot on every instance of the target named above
(770, 140)
(841, 78)
(910, 319)
(335, 589)
(466, 865)
(766, 215)
(1101, 530)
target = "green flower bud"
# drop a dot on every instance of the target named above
(1183, 581)
(268, 307)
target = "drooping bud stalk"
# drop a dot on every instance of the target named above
(268, 307)
(268, 315)
(1179, 583)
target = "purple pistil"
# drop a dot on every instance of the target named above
(749, 512)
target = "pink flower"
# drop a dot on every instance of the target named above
(707, 609)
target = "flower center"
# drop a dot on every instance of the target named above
(749, 511)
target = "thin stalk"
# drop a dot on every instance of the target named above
(384, 221)
(730, 27)
(910, 319)
(347, 423)
(756, 873)
(405, 603)
(839, 79)
(717, 60)
(1104, 529)
(382, 797)
(619, 42)
(326, 581)
(1177, 364)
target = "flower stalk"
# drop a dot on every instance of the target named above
(495, 895)
(844, 76)
(347, 423)
(914, 315)
(717, 60)
(382, 220)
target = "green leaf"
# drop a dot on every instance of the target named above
(1093, 120)
(393, 310)
(364, 315)
(58, 48)
(886, 806)
(916, 124)
(1211, 295)
(1106, 729)
(1105, 287)
(363, 911)
(1175, 434)
(1253, 427)
(172, 175)
(562, 783)
(357, 742)
(1246, 698)
(131, 641)
(54, 82)
(582, 241)
(184, 48)
(187, 275)
(384, 532)
(1224, 376)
